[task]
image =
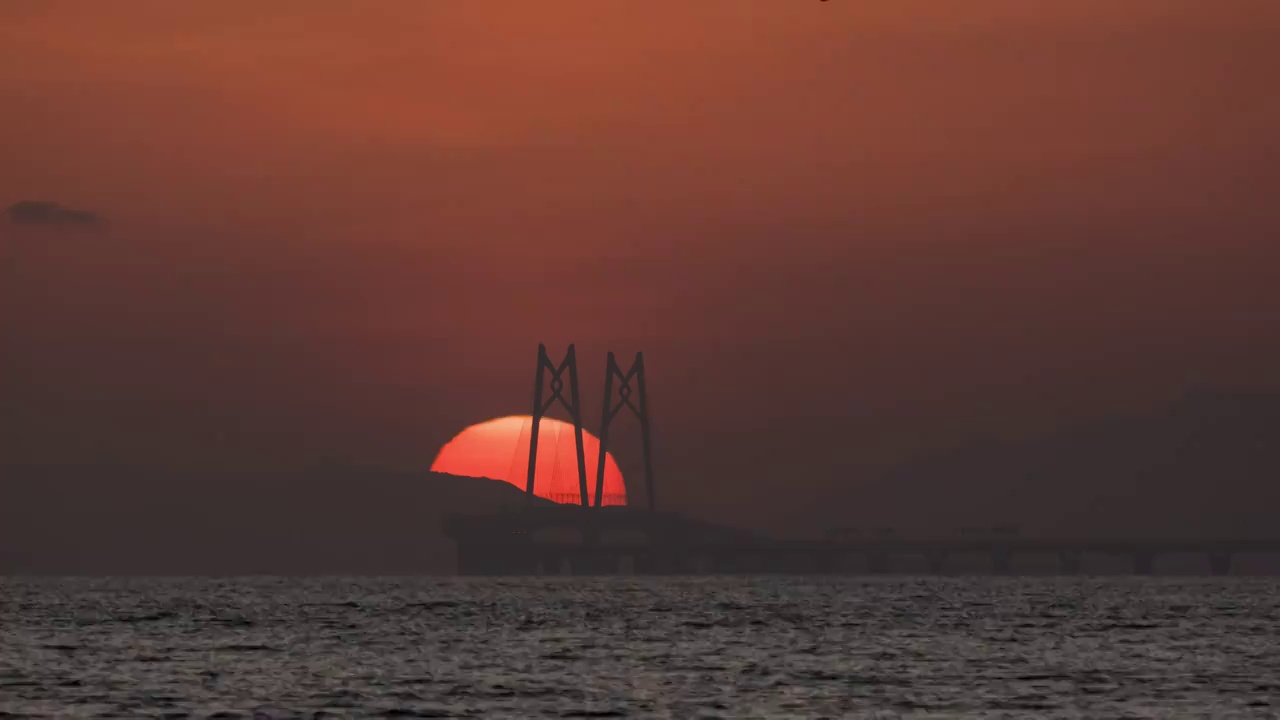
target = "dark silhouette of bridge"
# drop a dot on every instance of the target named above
(555, 539)
(549, 538)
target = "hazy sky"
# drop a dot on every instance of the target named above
(840, 231)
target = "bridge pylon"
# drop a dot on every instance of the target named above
(567, 366)
(634, 399)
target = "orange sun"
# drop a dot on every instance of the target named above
(499, 449)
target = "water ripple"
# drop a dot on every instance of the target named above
(690, 647)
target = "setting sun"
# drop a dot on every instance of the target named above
(499, 449)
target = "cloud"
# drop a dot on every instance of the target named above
(44, 212)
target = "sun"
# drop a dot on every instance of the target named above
(499, 449)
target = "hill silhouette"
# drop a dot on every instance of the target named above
(324, 520)
(1205, 466)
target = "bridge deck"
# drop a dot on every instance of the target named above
(512, 540)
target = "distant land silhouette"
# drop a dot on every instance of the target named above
(1208, 465)
(327, 520)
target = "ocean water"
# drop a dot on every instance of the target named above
(769, 647)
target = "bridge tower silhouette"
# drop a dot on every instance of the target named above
(631, 393)
(639, 407)
(567, 366)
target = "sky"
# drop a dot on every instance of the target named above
(843, 233)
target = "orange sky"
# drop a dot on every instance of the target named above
(347, 224)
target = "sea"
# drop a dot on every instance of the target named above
(688, 647)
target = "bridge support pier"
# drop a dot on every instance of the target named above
(1220, 562)
(582, 561)
(552, 562)
(474, 560)
(666, 560)
(646, 563)
(1069, 562)
(1143, 562)
(496, 559)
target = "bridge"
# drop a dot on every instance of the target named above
(571, 540)
(549, 538)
